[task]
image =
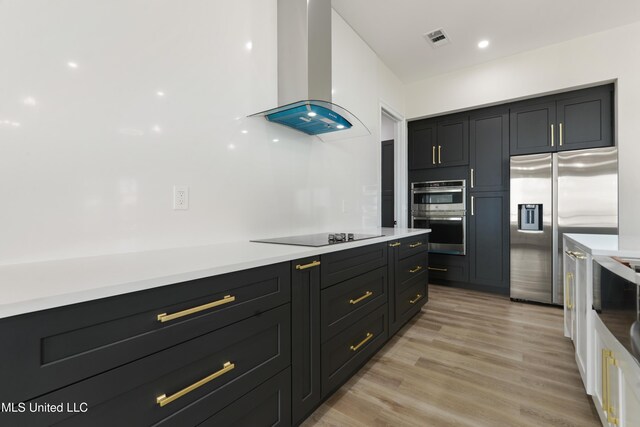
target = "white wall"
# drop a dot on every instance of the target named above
(89, 155)
(601, 57)
(387, 128)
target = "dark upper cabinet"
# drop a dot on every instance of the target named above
(584, 119)
(444, 142)
(567, 121)
(305, 333)
(531, 127)
(489, 240)
(422, 144)
(489, 150)
(453, 141)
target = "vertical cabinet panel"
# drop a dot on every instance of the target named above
(388, 183)
(584, 119)
(489, 150)
(488, 240)
(305, 331)
(530, 127)
(422, 144)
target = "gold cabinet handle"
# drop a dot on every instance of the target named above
(608, 360)
(394, 245)
(579, 255)
(363, 297)
(416, 269)
(560, 133)
(604, 368)
(437, 269)
(361, 343)
(567, 290)
(472, 206)
(439, 150)
(164, 317)
(552, 135)
(163, 400)
(416, 299)
(472, 176)
(415, 245)
(433, 154)
(305, 266)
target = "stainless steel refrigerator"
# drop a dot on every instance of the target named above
(551, 194)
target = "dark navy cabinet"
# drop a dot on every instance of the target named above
(489, 150)
(567, 121)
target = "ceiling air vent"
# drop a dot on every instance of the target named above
(437, 38)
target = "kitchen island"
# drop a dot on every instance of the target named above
(214, 334)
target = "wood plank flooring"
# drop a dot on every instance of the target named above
(468, 359)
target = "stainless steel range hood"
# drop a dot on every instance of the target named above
(304, 73)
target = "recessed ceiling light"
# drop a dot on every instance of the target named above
(231, 146)
(160, 94)
(275, 140)
(72, 64)
(244, 131)
(311, 114)
(483, 44)
(248, 45)
(31, 101)
(340, 126)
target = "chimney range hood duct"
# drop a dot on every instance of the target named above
(304, 72)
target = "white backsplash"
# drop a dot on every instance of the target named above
(104, 106)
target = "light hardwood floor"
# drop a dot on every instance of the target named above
(468, 359)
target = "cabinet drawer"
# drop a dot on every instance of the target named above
(448, 267)
(342, 265)
(346, 302)
(413, 245)
(410, 301)
(233, 360)
(266, 406)
(54, 348)
(346, 352)
(410, 268)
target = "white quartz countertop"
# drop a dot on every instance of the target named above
(602, 245)
(38, 286)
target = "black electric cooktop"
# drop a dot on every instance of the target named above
(317, 240)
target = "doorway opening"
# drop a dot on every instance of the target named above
(393, 169)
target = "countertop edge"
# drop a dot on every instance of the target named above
(29, 305)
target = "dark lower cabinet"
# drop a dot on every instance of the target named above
(408, 279)
(268, 405)
(489, 241)
(305, 332)
(260, 347)
(343, 355)
(448, 268)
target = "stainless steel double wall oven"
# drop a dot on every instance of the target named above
(441, 206)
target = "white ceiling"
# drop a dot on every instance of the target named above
(394, 29)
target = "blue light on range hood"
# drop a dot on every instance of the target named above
(313, 117)
(310, 118)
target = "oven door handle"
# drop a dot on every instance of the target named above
(440, 190)
(448, 218)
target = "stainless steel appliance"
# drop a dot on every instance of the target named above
(437, 196)
(551, 194)
(317, 240)
(616, 299)
(441, 206)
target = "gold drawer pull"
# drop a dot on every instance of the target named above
(415, 245)
(361, 343)
(416, 299)
(164, 317)
(437, 269)
(305, 266)
(394, 245)
(164, 400)
(416, 269)
(363, 297)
